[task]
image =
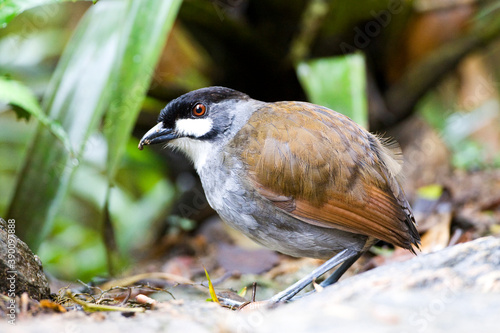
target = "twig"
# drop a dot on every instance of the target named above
(311, 22)
(254, 291)
(127, 281)
(90, 307)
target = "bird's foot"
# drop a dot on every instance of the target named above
(346, 257)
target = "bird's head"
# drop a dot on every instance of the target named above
(200, 121)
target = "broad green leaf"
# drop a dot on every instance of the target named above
(150, 22)
(75, 98)
(82, 88)
(338, 83)
(9, 9)
(16, 94)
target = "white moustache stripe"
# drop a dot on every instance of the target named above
(193, 127)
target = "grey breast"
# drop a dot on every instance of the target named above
(230, 194)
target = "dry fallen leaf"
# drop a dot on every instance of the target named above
(48, 304)
(246, 261)
(437, 237)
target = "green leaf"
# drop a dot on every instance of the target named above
(16, 94)
(338, 83)
(242, 292)
(81, 89)
(150, 22)
(25, 105)
(9, 9)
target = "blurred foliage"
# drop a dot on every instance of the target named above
(140, 197)
(338, 83)
(102, 68)
(25, 104)
(430, 192)
(457, 127)
(9, 9)
(81, 84)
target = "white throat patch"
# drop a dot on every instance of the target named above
(196, 150)
(193, 127)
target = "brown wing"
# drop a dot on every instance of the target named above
(323, 169)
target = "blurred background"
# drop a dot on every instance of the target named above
(81, 82)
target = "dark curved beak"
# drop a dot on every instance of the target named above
(157, 134)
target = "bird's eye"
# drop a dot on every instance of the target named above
(199, 110)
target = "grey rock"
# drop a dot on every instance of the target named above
(453, 290)
(20, 270)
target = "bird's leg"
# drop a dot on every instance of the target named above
(334, 277)
(347, 257)
(340, 271)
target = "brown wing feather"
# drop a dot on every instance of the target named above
(323, 169)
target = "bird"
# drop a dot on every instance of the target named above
(296, 177)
